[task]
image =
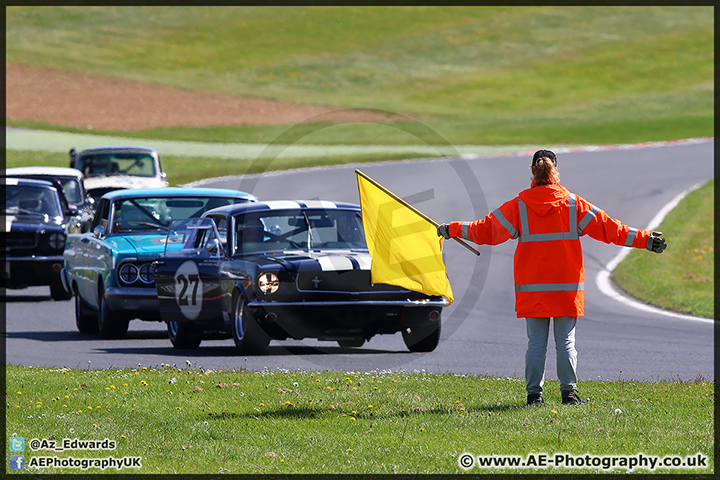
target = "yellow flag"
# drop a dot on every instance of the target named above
(404, 245)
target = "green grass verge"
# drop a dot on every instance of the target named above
(682, 278)
(475, 75)
(197, 421)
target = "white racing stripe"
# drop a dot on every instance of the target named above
(319, 204)
(340, 261)
(8, 223)
(333, 263)
(282, 204)
(603, 277)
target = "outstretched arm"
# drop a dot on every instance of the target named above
(594, 222)
(497, 227)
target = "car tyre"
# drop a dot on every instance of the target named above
(248, 336)
(57, 291)
(351, 343)
(85, 318)
(183, 335)
(422, 339)
(111, 324)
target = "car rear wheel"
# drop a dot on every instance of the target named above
(248, 336)
(57, 291)
(85, 318)
(183, 335)
(111, 324)
(421, 339)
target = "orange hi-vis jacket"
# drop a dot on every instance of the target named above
(548, 221)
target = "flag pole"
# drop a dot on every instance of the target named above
(418, 212)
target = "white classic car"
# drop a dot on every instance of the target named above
(111, 168)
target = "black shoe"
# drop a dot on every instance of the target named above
(534, 399)
(571, 398)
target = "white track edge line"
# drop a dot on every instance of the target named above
(603, 277)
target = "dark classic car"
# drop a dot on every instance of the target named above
(109, 270)
(34, 236)
(72, 184)
(279, 270)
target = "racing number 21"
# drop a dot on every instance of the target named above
(190, 281)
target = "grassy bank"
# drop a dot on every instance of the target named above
(475, 75)
(330, 422)
(683, 277)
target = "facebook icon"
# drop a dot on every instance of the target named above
(17, 462)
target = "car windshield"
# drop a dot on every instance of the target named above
(106, 164)
(31, 200)
(288, 230)
(154, 214)
(72, 190)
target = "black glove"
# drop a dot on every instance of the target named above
(443, 231)
(656, 243)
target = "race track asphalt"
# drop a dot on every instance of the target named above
(481, 335)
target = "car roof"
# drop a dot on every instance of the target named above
(119, 148)
(27, 182)
(282, 205)
(176, 192)
(45, 171)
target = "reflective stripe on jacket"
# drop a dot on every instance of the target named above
(548, 222)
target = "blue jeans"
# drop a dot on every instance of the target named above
(537, 332)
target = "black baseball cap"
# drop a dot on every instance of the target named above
(544, 153)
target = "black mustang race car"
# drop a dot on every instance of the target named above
(279, 270)
(34, 236)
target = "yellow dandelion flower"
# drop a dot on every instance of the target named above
(178, 408)
(125, 384)
(89, 407)
(370, 406)
(352, 419)
(349, 449)
(262, 404)
(67, 396)
(95, 425)
(123, 436)
(19, 392)
(64, 405)
(553, 411)
(113, 386)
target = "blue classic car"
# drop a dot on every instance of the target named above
(109, 269)
(283, 269)
(33, 240)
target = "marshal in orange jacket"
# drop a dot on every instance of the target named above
(549, 270)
